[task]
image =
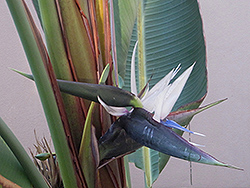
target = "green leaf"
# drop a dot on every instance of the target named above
(87, 154)
(184, 114)
(173, 35)
(35, 56)
(11, 168)
(125, 15)
(16, 165)
(36, 5)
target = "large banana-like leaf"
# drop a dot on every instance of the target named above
(168, 33)
(172, 34)
(124, 15)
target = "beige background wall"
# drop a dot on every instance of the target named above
(227, 31)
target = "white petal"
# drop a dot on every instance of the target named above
(159, 86)
(153, 101)
(197, 145)
(151, 97)
(176, 70)
(159, 104)
(132, 75)
(174, 92)
(199, 134)
(115, 111)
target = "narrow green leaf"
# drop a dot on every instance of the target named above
(86, 157)
(46, 94)
(36, 5)
(11, 168)
(183, 117)
(105, 74)
(15, 172)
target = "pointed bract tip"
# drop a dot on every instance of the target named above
(229, 166)
(29, 76)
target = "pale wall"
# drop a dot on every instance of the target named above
(227, 31)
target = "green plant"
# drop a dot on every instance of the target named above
(91, 42)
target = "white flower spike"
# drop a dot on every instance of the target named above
(132, 75)
(162, 97)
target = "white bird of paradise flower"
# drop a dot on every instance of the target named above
(160, 99)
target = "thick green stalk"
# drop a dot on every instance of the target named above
(127, 171)
(45, 91)
(141, 46)
(30, 169)
(146, 154)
